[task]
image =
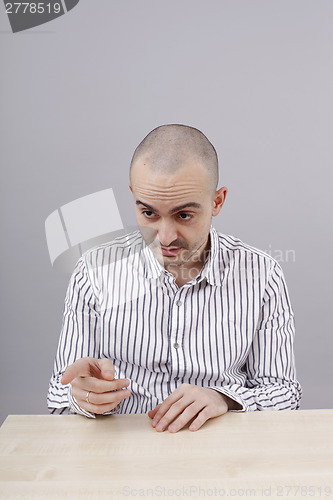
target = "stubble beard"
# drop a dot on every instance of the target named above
(188, 258)
(163, 260)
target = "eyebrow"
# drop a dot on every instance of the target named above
(191, 204)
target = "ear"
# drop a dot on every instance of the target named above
(219, 200)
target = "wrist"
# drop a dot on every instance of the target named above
(232, 404)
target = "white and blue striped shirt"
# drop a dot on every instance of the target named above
(231, 328)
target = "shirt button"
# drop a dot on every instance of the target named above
(178, 303)
(175, 345)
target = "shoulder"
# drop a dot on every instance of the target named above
(118, 249)
(233, 247)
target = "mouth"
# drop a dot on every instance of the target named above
(170, 252)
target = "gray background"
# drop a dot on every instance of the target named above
(79, 93)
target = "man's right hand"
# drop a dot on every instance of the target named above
(93, 379)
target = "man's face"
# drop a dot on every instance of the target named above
(174, 212)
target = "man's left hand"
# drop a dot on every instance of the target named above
(186, 402)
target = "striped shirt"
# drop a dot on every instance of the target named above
(231, 328)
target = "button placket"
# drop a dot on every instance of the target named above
(176, 336)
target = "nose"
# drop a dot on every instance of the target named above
(166, 232)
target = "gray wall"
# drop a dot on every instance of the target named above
(79, 93)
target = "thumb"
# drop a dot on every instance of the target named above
(107, 368)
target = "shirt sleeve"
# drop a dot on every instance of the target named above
(80, 337)
(270, 367)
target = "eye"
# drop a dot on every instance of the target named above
(185, 216)
(148, 213)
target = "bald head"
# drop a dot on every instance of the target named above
(167, 148)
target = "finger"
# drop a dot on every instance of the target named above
(117, 397)
(174, 411)
(166, 405)
(99, 386)
(107, 368)
(83, 367)
(202, 417)
(80, 368)
(100, 399)
(185, 417)
(152, 413)
(175, 424)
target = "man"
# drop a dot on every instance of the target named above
(176, 319)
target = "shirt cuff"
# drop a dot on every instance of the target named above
(74, 406)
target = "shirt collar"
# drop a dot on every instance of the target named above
(211, 269)
(153, 268)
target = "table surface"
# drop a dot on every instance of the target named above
(285, 454)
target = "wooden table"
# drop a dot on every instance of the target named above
(286, 454)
